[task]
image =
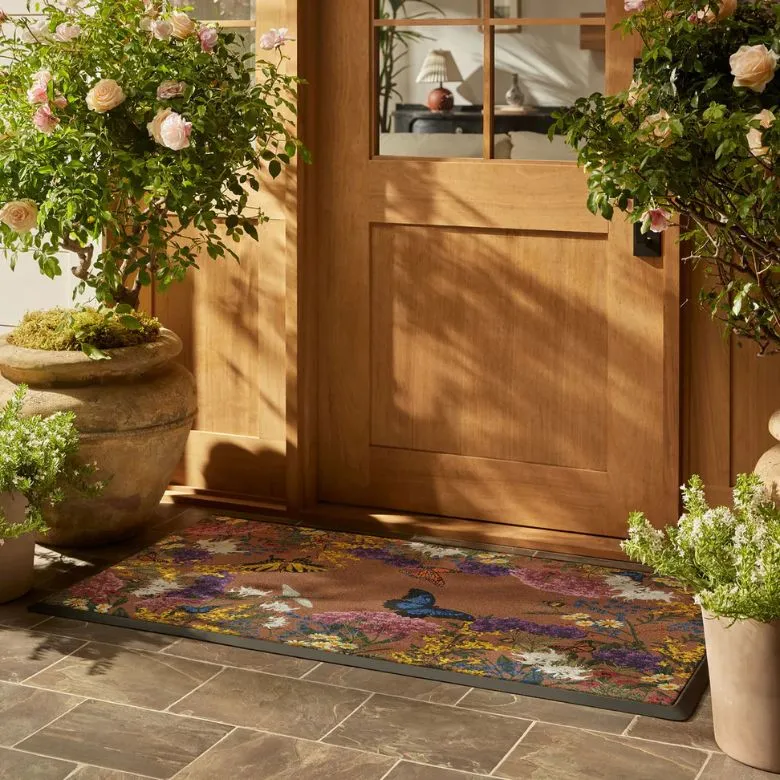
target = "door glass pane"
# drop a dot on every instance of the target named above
(545, 9)
(539, 70)
(222, 9)
(435, 9)
(429, 91)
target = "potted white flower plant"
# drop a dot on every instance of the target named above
(37, 464)
(132, 136)
(730, 559)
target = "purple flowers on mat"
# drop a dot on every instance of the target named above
(203, 588)
(625, 656)
(468, 566)
(499, 625)
(384, 555)
(187, 554)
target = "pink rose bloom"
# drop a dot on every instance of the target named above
(658, 219)
(208, 38)
(276, 38)
(633, 5)
(45, 120)
(66, 32)
(60, 101)
(38, 92)
(175, 132)
(162, 29)
(171, 89)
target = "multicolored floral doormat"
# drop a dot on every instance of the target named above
(572, 631)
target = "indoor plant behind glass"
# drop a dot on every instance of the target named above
(695, 137)
(37, 465)
(122, 120)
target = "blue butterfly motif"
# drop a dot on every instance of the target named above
(421, 604)
(636, 576)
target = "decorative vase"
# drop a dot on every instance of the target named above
(515, 96)
(768, 466)
(742, 657)
(133, 412)
(17, 555)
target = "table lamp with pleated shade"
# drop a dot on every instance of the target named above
(437, 68)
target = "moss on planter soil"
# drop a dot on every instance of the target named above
(66, 330)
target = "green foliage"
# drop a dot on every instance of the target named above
(70, 329)
(678, 141)
(38, 460)
(729, 558)
(103, 173)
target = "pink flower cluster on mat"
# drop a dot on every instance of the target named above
(99, 587)
(378, 622)
(558, 581)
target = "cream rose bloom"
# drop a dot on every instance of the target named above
(20, 215)
(755, 137)
(753, 67)
(105, 95)
(182, 26)
(154, 127)
(175, 132)
(653, 131)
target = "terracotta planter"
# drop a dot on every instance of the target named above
(744, 665)
(17, 556)
(133, 412)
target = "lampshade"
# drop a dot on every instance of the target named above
(439, 66)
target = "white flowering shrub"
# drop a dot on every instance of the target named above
(136, 121)
(729, 558)
(38, 460)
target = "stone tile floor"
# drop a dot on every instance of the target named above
(91, 702)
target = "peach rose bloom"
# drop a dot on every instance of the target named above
(154, 126)
(182, 26)
(104, 96)
(753, 67)
(171, 89)
(20, 215)
(755, 137)
(653, 130)
(162, 29)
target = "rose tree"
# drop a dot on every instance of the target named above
(118, 119)
(695, 136)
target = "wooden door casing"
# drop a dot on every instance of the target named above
(486, 347)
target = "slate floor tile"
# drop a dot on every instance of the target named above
(24, 652)
(297, 708)
(24, 710)
(23, 766)
(428, 733)
(240, 756)
(156, 744)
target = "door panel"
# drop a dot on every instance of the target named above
(487, 348)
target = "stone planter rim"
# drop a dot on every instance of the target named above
(41, 367)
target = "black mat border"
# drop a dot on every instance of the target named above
(681, 710)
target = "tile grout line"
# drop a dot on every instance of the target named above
(80, 763)
(309, 671)
(460, 699)
(706, 763)
(54, 663)
(49, 723)
(627, 730)
(389, 771)
(196, 688)
(73, 772)
(44, 619)
(511, 750)
(205, 752)
(344, 720)
(466, 772)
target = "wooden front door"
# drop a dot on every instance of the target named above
(486, 347)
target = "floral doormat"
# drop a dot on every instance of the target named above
(567, 630)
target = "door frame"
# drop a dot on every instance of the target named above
(302, 347)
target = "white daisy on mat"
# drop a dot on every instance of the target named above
(278, 606)
(275, 622)
(625, 588)
(553, 664)
(245, 592)
(157, 587)
(435, 551)
(224, 547)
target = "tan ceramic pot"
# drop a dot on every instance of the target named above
(768, 466)
(133, 412)
(744, 664)
(17, 556)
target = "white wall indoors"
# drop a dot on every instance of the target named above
(552, 68)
